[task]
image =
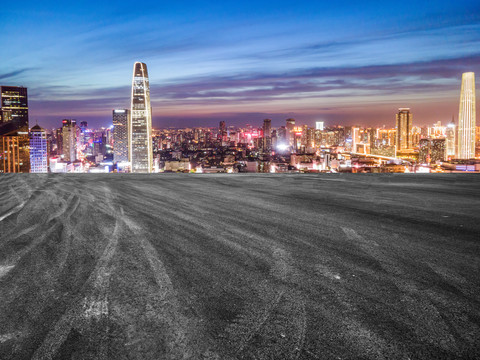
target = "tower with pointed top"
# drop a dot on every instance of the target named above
(140, 151)
(466, 118)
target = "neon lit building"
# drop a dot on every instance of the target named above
(140, 151)
(120, 135)
(38, 150)
(466, 118)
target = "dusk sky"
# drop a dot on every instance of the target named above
(348, 62)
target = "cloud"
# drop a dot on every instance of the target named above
(13, 74)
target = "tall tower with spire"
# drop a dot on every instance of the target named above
(467, 118)
(140, 151)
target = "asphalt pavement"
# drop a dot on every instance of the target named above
(240, 266)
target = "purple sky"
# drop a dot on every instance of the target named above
(349, 63)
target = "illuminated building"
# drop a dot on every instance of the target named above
(450, 140)
(222, 132)
(424, 151)
(38, 150)
(466, 118)
(69, 139)
(403, 139)
(14, 139)
(437, 150)
(140, 129)
(416, 136)
(282, 136)
(120, 135)
(290, 132)
(355, 138)
(431, 150)
(267, 135)
(59, 141)
(297, 138)
(319, 125)
(13, 109)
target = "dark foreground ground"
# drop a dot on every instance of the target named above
(239, 266)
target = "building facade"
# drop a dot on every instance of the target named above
(140, 129)
(466, 118)
(121, 120)
(403, 139)
(38, 150)
(450, 140)
(69, 139)
(14, 138)
(290, 133)
(267, 135)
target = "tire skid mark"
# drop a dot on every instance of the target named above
(178, 341)
(416, 303)
(17, 208)
(273, 298)
(85, 308)
(4, 269)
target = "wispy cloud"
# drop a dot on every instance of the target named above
(13, 74)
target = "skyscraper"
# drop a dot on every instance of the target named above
(267, 135)
(14, 139)
(466, 118)
(355, 138)
(120, 135)
(140, 128)
(450, 140)
(290, 132)
(403, 139)
(69, 139)
(222, 132)
(38, 150)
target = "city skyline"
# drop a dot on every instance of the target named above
(352, 64)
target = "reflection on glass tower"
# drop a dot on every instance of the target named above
(140, 151)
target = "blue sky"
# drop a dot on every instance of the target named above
(343, 62)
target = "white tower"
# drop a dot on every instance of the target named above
(466, 118)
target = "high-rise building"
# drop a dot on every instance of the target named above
(69, 139)
(120, 135)
(437, 150)
(38, 150)
(450, 140)
(267, 135)
(355, 138)
(319, 125)
(59, 141)
(140, 129)
(222, 132)
(403, 139)
(424, 151)
(466, 118)
(14, 139)
(13, 109)
(290, 132)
